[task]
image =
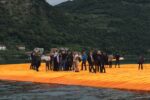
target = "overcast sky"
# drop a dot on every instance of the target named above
(55, 2)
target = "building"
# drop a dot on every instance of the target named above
(21, 47)
(2, 48)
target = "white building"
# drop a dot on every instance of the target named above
(3, 47)
(21, 47)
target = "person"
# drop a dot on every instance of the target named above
(84, 59)
(56, 61)
(77, 61)
(110, 59)
(140, 62)
(103, 70)
(90, 60)
(63, 61)
(51, 61)
(74, 61)
(117, 57)
(105, 59)
(95, 60)
(32, 66)
(101, 62)
(69, 60)
(47, 63)
(37, 60)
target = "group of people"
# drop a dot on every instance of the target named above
(94, 61)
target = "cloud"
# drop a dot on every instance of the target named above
(55, 2)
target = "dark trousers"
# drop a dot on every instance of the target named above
(110, 64)
(51, 65)
(69, 65)
(141, 66)
(37, 65)
(91, 68)
(96, 66)
(103, 70)
(33, 65)
(117, 63)
(83, 65)
(56, 66)
(47, 63)
(101, 67)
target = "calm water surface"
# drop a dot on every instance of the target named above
(11, 90)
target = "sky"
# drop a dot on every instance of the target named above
(55, 2)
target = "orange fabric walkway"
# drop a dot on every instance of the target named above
(127, 77)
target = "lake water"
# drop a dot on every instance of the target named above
(11, 90)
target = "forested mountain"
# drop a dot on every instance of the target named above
(111, 25)
(32, 23)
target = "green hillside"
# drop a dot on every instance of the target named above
(113, 24)
(110, 25)
(32, 23)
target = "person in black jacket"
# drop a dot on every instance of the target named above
(117, 57)
(37, 60)
(95, 60)
(105, 59)
(91, 62)
(69, 60)
(103, 70)
(140, 62)
(32, 66)
(56, 61)
(101, 62)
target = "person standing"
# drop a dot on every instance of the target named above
(69, 60)
(90, 60)
(117, 57)
(37, 60)
(63, 61)
(51, 61)
(76, 61)
(56, 61)
(103, 59)
(47, 62)
(95, 60)
(84, 59)
(32, 66)
(99, 61)
(140, 62)
(110, 59)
